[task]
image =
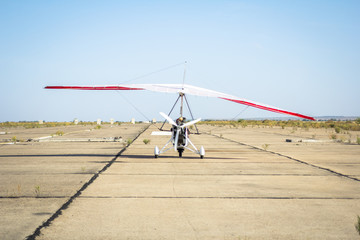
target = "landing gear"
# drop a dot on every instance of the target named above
(156, 152)
(202, 152)
(180, 152)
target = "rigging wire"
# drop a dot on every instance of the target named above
(133, 106)
(151, 73)
(184, 75)
(187, 103)
(241, 112)
(143, 76)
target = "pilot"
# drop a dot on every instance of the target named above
(180, 121)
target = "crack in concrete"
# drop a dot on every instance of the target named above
(291, 158)
(79, 192)
(180, 203)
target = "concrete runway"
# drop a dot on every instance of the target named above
(93, 190)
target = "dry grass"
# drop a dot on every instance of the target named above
(338, 126)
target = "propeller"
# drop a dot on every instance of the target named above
(168, 118)
(173, 123)
(191, 123)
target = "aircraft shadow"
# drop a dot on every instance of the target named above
(164, 156)
(109, 155)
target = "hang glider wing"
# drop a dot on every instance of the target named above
(185, 89)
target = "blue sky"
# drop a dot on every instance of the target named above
(302, 56)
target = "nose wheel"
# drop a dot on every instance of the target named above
(202, 152)
(180, 152)
(156, 152)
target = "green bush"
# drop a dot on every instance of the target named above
(295, 124)
(337, 129)
(59, 133)
(357, 225)
(37, 191)
(265, 146)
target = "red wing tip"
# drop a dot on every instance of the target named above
(271, 109)
(312, 119)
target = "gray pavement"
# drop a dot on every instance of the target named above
(238, 191)
(37, 178)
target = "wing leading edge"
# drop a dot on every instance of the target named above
(185, 89)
